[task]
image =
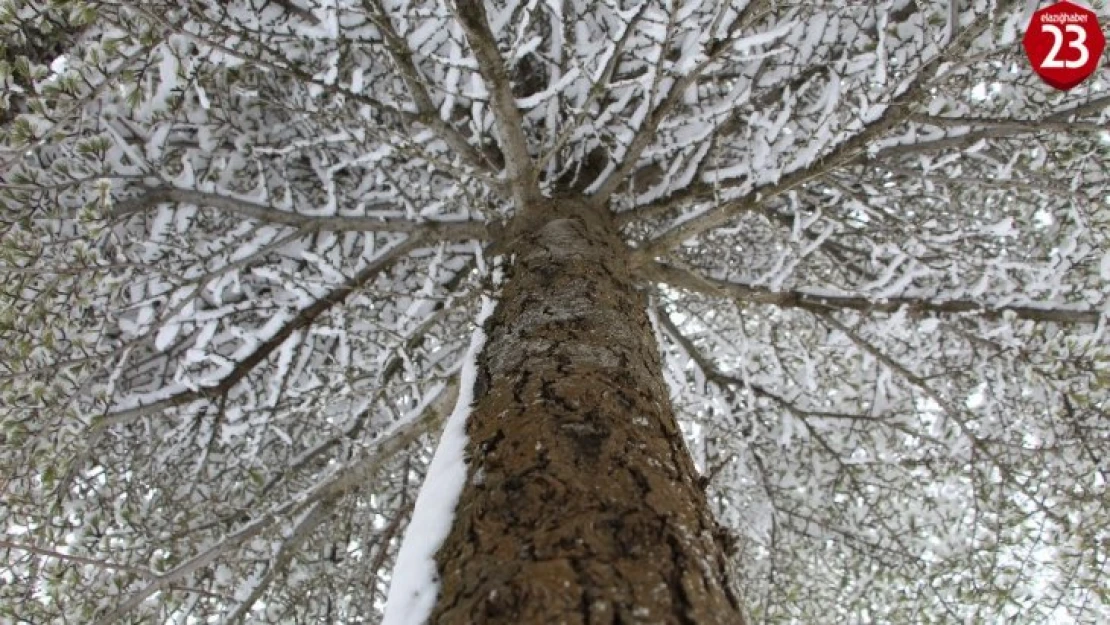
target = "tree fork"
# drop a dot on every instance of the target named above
(582, 503)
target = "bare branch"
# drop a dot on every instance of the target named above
(283, 557)
(399, 437)
(289, 7)
(191, 565)
(951, 409)
(1009, 127)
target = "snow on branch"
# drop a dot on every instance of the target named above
(823, 302)
(401, 54)
(597, 87)
(840, 156)
(645, 135)
(1004, 127)
(894, 113)
(413, 120)
(471, 14)
(1060, 121)
(414, 584)
(301, 320)
(442, 229)
(318, 499)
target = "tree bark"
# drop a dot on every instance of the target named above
(582, 503)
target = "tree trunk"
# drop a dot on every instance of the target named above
(582, 503)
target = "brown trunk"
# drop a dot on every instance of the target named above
(582, 503)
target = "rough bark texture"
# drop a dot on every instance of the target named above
(582, 503)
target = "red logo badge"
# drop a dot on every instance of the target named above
(1064, 43)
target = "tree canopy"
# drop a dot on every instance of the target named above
(243, 243)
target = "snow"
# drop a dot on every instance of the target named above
(218, 279)
(413, 589)
(202, 97)
(168, 82)
(1003, 228)
(536, 99)
(166, 335)
(765, 37)
(59, 65)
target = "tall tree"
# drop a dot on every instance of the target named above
(725, 310)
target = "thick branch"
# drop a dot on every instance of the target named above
(268, 214)
(510, 124)
(818, 302)
(997, 128)
(67, 557)
(291, 8)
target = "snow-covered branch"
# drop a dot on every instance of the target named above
(846, 152)
(434, 229)
(645, 134)
(823, 302)
(894, 113)
(471, 14)
(426, 109)
(1062, 121)
(243, 368)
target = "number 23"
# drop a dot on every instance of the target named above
(1079, 43)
